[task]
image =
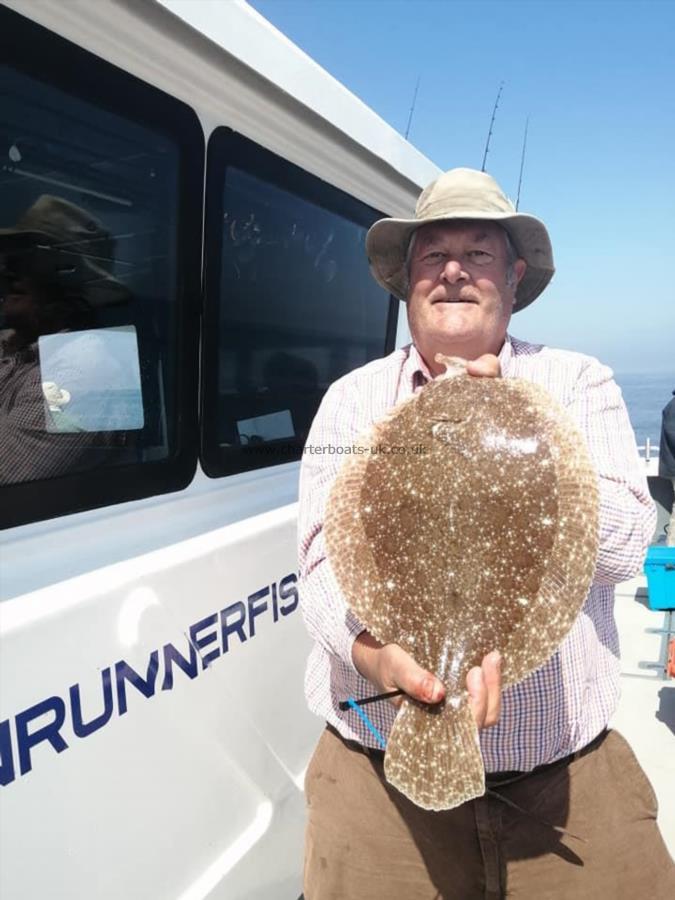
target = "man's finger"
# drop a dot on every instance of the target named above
(475, 685)
(492, 677)
(486, 366)
(414, 680)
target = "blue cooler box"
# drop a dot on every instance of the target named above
(660, 572)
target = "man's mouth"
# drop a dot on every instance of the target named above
(455, 300)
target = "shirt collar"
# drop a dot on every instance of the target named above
(505, 355)
(416, 371)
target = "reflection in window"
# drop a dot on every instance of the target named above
(101, 370)
(297, 308)
(87, 248)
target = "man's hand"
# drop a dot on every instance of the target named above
(487, 366)
(390, 668)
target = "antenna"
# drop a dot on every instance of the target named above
(412, 108)
(492, 122)
(522, 162)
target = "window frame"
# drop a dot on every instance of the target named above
(59, 62)
(226, 148)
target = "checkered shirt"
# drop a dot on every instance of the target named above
(564, 704)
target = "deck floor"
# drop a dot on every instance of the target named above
(646, 713)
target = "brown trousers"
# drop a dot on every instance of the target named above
(366, 841)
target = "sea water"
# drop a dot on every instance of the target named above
(645, 396)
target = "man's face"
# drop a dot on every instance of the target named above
(19, 295)
(459, 301)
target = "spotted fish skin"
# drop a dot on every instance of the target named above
(481, 536)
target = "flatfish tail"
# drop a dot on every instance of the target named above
(434, 758)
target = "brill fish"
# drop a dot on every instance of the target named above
(482, 536)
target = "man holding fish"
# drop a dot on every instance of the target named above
(568, 812)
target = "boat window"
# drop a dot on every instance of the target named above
(290, 303)
(99, 279)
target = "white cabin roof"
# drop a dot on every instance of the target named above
(242, 32)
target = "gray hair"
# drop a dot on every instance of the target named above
(511, 257)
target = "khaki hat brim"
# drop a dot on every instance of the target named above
(99, 288)
(388, 239)
(18, 234)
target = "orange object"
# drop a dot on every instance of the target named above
(671, 658)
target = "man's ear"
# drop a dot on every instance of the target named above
(519, 268)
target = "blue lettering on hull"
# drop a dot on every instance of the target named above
(206, 640)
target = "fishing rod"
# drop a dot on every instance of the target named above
(412, 108)
(492, 122)
(522, 162)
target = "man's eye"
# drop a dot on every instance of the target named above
(480, 256)
(433, 255)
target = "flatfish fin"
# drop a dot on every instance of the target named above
(435, 758)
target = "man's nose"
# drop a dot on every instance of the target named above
(453, 272)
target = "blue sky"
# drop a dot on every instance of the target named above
(597, 80)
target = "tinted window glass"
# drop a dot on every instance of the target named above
(291, 303)
(90, 268)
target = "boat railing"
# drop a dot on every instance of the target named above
(647, 448)
(649, 452)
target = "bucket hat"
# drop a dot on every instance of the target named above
(79, 249)
(462, 194)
